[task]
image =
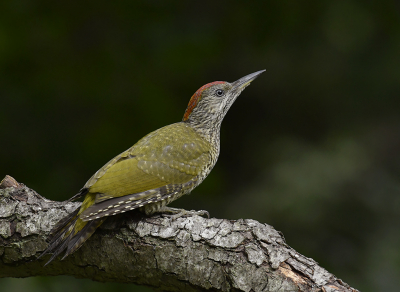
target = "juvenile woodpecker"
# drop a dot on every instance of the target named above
(158, 169)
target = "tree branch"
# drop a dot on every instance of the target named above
(188, 254)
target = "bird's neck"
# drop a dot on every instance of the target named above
(207, 129)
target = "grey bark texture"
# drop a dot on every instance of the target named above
(186, 254)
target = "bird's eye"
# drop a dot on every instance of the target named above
(219, 92)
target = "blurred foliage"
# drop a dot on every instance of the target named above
(311, 147)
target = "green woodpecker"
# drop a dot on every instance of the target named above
(160, 168)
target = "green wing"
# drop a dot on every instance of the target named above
(174, 154)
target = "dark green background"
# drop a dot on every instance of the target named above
(311, 147)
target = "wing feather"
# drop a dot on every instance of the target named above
(170, 155)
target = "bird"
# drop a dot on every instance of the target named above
(158, 169)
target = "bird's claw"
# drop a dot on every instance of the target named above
(177, 213)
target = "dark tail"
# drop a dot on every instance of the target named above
(80, 194)
(66, 236)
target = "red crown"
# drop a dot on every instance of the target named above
(196, 98)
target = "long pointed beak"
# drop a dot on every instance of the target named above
(246, 80)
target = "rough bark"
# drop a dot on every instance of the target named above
(187, 254)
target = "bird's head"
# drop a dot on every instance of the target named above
(211, 102)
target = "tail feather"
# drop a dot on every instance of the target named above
(60, 247)
(61, 226)
(81, 193)
(59, 238)
(59, 231)
(66, 235)
(76, 242)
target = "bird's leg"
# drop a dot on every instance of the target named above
(176, 213)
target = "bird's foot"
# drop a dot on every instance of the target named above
(176, 213)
